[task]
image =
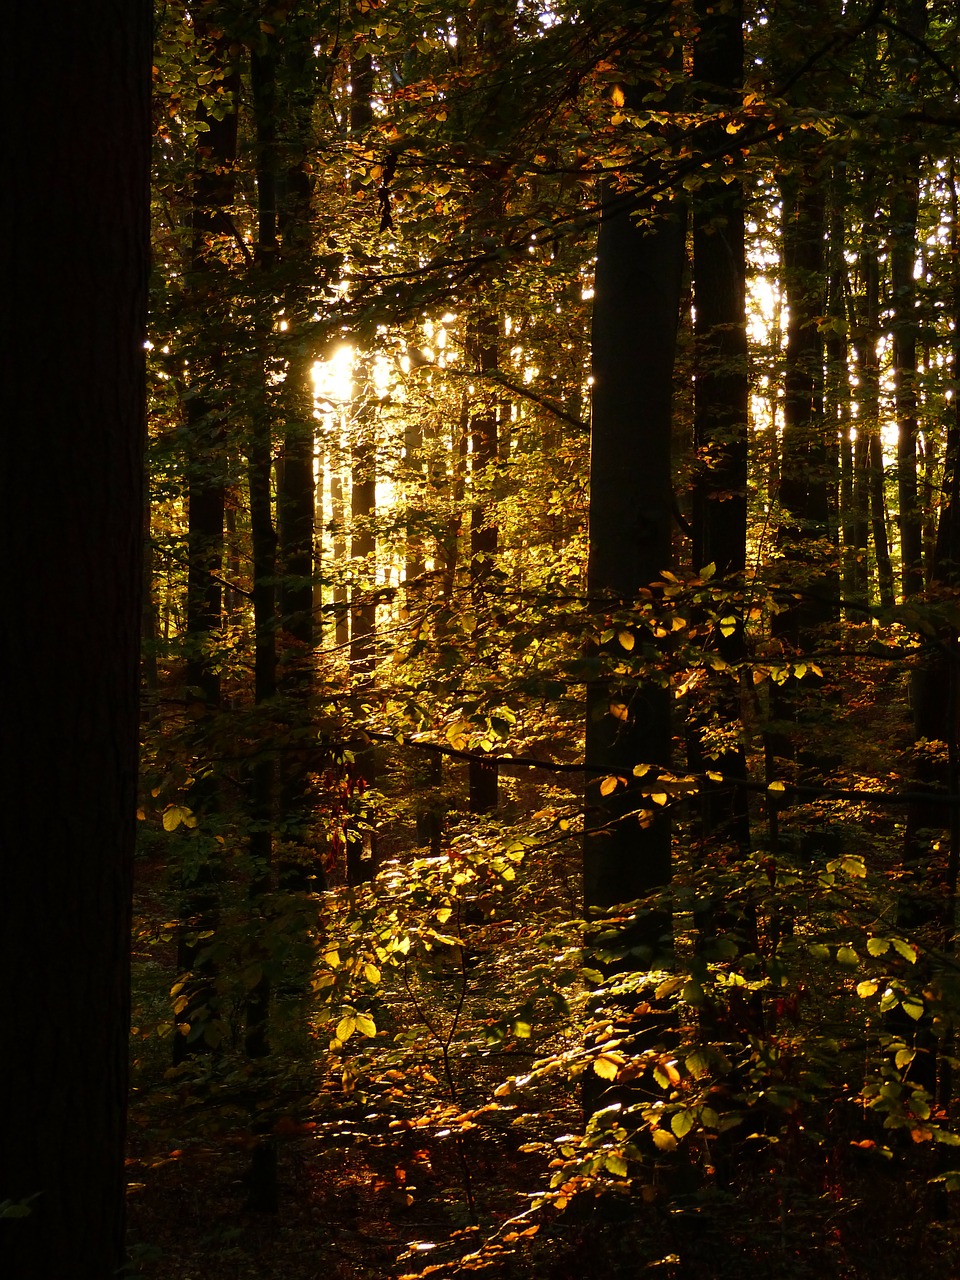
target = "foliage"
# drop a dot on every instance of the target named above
(748, 1070)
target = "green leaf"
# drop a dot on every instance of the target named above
(867, 989)
(905, 949)
(877, 946)
(912, 1007)
(364, 1024)
(847, 956)
(346, 1027)
(698, 1064)
(616, 1164)
(682, 1122)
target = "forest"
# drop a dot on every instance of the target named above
(539, 623)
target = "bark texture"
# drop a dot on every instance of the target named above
(74, 241)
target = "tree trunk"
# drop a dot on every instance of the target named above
(635, 314)
(206, 411)
(75, 234)
(483, 351)
(721, 395)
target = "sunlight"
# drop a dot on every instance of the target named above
(333, 379)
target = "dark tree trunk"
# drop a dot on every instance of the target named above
(206, 413)
(721, 395)
(808, 458)
(296, 489)
(483, 351)
(75, 232)
(635, 314)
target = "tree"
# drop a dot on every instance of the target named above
(75, 256)
(635, 316)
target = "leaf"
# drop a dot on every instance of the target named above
(608, 786)
(664, 1141)
(171, 817)
(847, 956)
(714, 777)
(371, 973)
(659, 797)
(912, 1007)
(905, 949)
(365, 1025)
(697, 1064)
(444, 914)
(728, 626)
(867, 989)
(627, 640)
(606, 1068)
(853, 866)
(616, 96)
(346, 1027)
(776, 786)
(877, 946)
(616, 1164)
(682, 1122)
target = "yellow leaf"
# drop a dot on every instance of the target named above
(365, 1025)
(346, 1027)
(626, 640)
(714, 777)
(608, 786)
(617, 96)
(371, 973)
(172, 817)
(664, 1141)
(659, 797)
(606, 1068)
(776, 786)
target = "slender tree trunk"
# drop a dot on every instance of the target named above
(207, 412)
(868, 419)
(262, 1187)
(75, 254)
(296, 490)
(720, 409)
(808, 458)
(903, 248)
(483, 347)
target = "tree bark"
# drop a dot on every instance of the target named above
(75, 237)
(721, 394)
(635, 314)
